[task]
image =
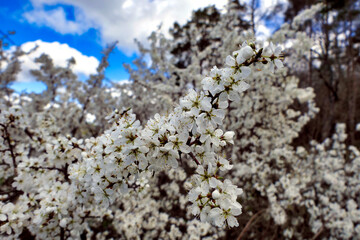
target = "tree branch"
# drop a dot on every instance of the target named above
(247, 226)
(194, 158)
(318, 233)
(11, 149)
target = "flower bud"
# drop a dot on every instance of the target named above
(216, 194)
(63, 223)
(247, 52)
(228, 137)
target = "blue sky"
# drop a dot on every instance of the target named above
(82, 28)
(88, 43)
(87, 26)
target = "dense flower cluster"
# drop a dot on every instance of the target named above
(127, 152)
(267, 119)
(69, 179)
(331, 192)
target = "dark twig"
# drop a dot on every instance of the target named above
(62, 170)
(8, 140)
(194, 158)
(249, 223)
(318, 233)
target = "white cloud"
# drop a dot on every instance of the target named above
(60, 53)
(56, 19)
(267, 7)
(262, 32)
(121, 20)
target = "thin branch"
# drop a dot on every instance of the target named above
(8, 140)
(318, 233)
(4, 164)
(195, 141)
(249, 223)
(47, 168)
(62, 233)
(8, 192)
(194, 158)
(62, 170)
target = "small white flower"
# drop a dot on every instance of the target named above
(215, 194)
(194, 194)
(214, 82)
(217, 217)
(274, 54)
(224, 164)
(245, 53)
(228, 136)
(213, 134)
(178, 142)
(63, 223)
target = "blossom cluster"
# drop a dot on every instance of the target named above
(69, 181)
(268, 120)
(127, 152)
